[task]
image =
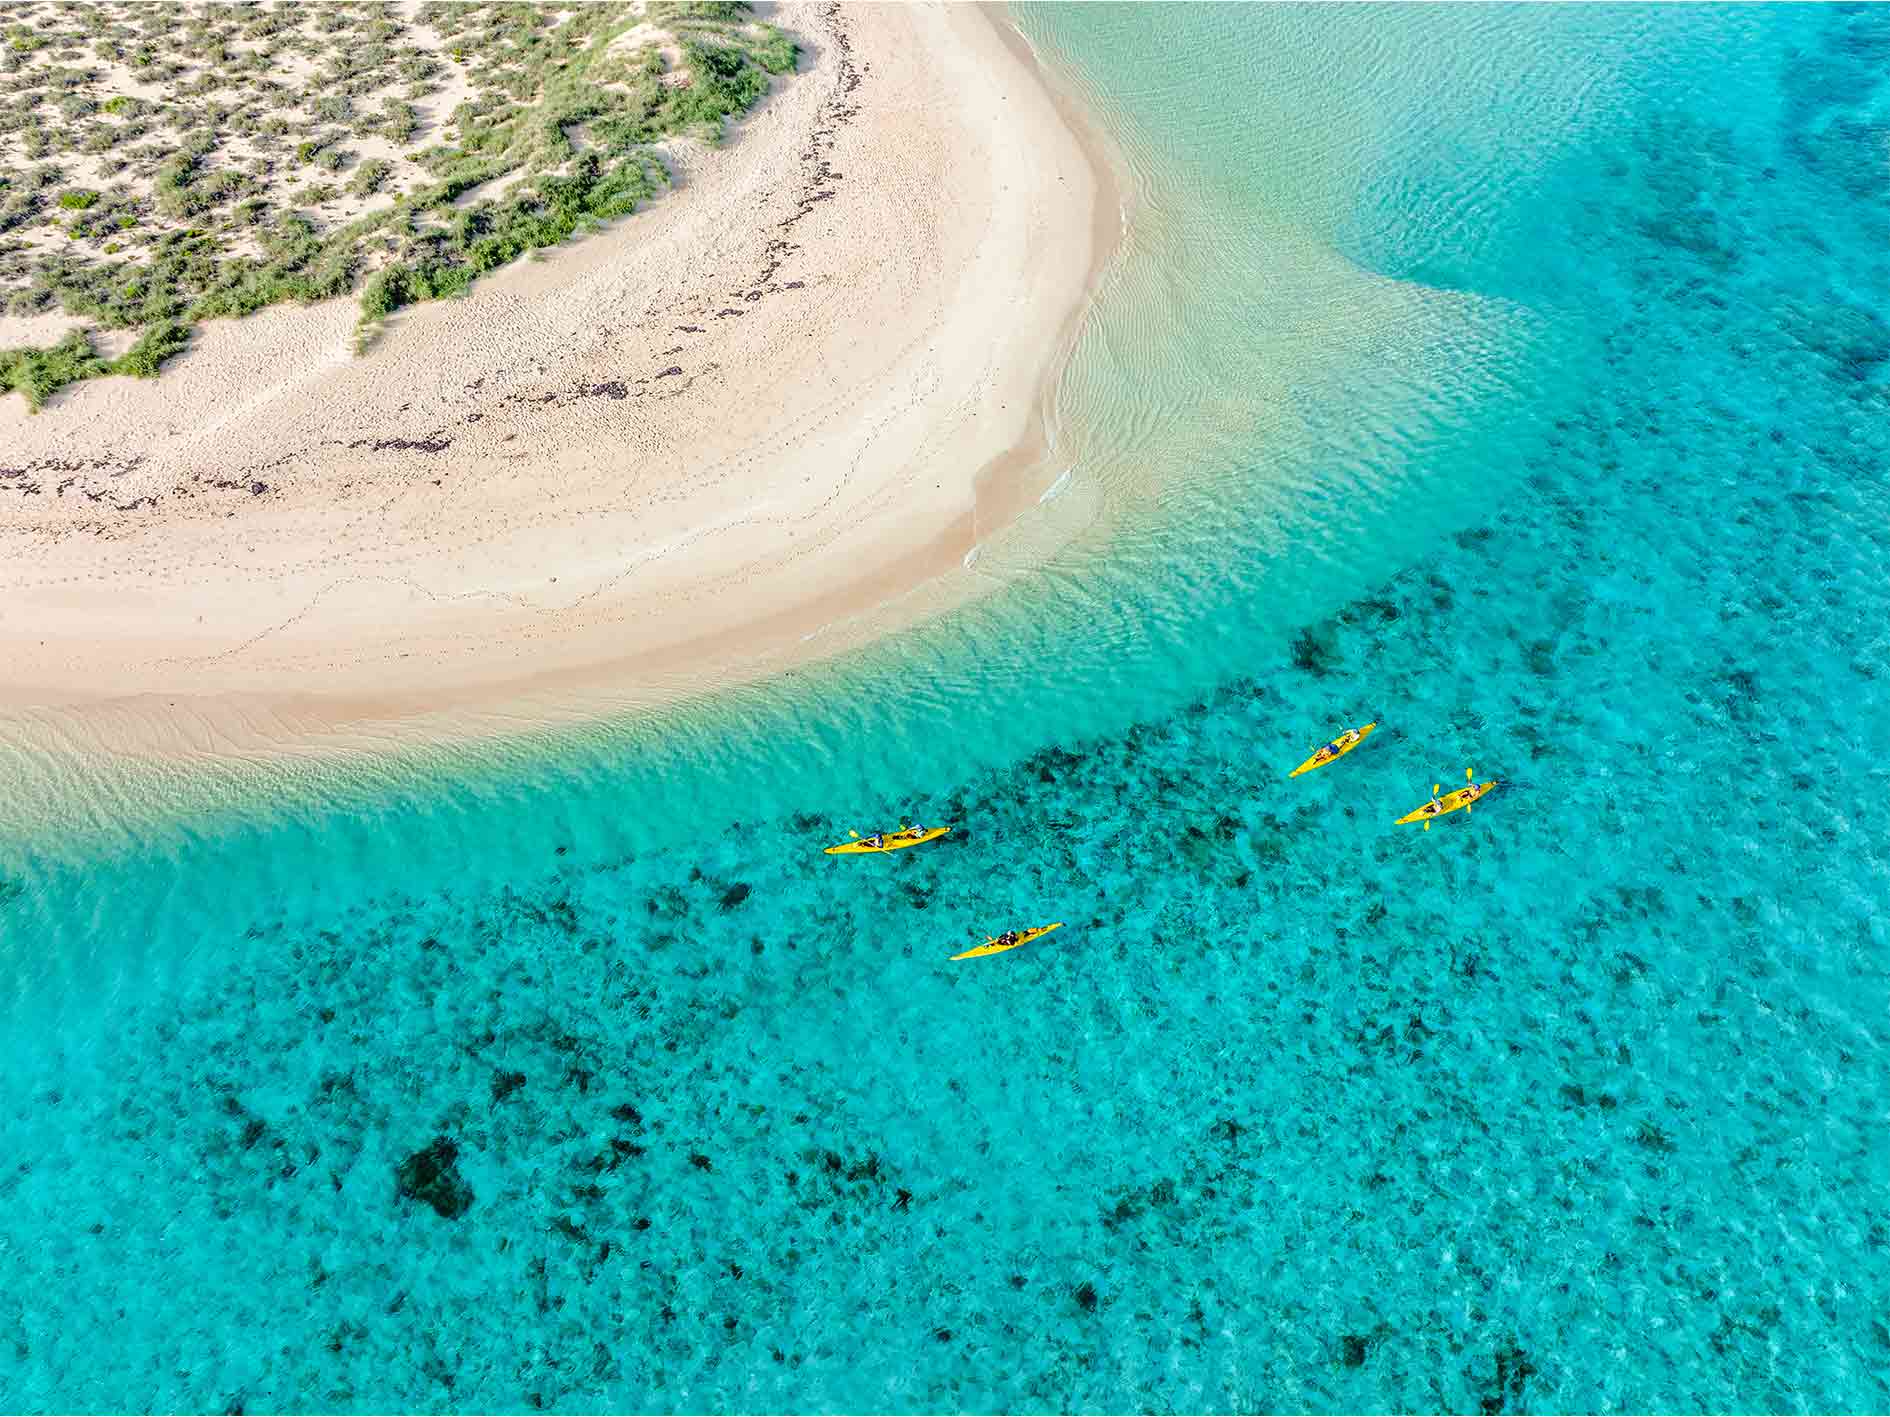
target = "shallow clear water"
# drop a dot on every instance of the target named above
(1513, 375)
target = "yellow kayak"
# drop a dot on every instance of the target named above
(1448, 803)
(1024, 937)
(889, 841)
(1347, 741)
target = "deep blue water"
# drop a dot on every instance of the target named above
(1574, 1103)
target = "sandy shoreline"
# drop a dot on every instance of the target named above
(667, 457)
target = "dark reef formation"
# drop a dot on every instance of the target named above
(431, 1176)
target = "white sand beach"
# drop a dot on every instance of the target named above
(807, 379)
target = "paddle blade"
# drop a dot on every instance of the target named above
(1427, 826)
(1469, 775)
(1436, 787)
(855, 835)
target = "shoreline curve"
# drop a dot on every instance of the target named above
(343, 605)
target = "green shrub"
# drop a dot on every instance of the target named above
(399, 122)
(154, 346)
(370, 177)
(676, 12)
(177, 194)
(41, 373)
(77, 199)
(777, 53)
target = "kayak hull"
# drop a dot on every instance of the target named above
(1024, 937)
(1315, 761)
(1462, 797)
(894, 841)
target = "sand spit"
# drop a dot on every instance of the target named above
(806, 380)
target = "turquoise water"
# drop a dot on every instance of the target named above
(1514, 376)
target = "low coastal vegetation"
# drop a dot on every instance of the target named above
(169, 163)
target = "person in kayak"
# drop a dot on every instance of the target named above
(1339, 744)
(1009, 937)
(876, 840)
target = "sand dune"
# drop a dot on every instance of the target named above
(804, 381)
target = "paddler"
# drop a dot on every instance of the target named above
(1339, 744)
(1009, 937)
(876, 840)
